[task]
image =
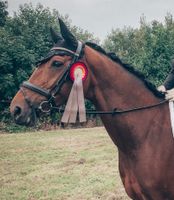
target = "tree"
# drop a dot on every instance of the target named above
(3, 12)
(149, 48)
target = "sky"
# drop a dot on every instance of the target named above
(101, 16)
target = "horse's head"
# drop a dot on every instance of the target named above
(50, 83)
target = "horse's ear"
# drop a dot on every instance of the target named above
(66, 34)
(55, 37)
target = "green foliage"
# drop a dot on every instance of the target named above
(149, 48)
(3, 12)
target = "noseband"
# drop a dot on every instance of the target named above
(45, 106)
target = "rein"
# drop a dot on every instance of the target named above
(116, 111)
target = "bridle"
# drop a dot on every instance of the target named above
(46, 105)
(49, 104)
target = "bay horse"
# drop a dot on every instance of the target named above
(143, 136)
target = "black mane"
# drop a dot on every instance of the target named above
(128, 67)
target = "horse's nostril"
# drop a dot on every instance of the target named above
(24, 117)
(17, 112)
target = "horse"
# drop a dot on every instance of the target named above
(141, 132)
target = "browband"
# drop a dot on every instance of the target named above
(78, 50)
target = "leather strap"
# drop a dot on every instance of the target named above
(79, 49)
(36, 89)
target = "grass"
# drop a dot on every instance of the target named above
(79, 164)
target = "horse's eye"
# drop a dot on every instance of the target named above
(57, 63)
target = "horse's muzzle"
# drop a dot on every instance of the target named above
(24, 117)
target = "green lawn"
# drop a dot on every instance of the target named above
(79, 164)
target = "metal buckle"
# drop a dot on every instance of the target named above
(45, 106)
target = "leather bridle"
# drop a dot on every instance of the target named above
(49, 104)
(46, 105)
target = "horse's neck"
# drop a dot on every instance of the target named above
(115, 87)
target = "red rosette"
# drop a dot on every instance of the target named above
(78, 67)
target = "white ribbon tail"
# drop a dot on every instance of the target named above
(81, 101)
(75, 103)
